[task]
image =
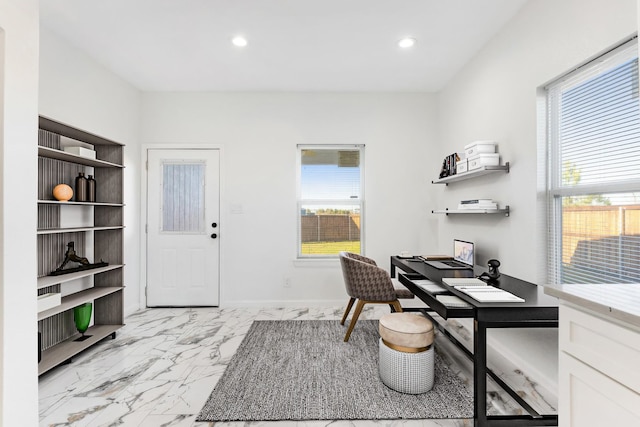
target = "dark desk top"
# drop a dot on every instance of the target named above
(537, 311)
(533, 294)
(416, 265)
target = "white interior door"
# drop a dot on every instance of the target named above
(183, 205)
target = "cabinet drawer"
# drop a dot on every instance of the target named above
(590, 399)
(608, 347)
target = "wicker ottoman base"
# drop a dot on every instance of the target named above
(410, 373)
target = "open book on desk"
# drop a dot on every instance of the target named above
(489, 294)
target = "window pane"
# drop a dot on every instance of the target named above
(183, 197)
(329, 229)
(601, 243)
(599, 128)
(330, 174)
(330, 200)
(594, 151)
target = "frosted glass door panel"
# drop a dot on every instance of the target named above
(183, 197)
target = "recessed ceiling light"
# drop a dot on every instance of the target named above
(407, 42)
(239, 41)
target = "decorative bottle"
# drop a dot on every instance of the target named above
(91, 189)
(81, 187)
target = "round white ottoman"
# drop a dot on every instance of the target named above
(406, 355)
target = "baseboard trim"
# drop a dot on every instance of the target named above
(280, 303)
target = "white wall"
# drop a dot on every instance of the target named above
(495, 97)
(18, 183)
(259, 133)
(79, 92)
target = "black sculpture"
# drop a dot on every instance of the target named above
(493, 275)
(70, 255)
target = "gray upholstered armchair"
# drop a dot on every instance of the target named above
(369, 284)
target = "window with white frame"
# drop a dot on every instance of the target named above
(330, 202)
(593, 180)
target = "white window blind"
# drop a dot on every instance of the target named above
(330, 202)
(594, 171)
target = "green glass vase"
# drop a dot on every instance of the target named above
(82, 317)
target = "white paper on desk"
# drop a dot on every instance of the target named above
(452, 301)
(433, 288)
(463, 281)
(489, 294)
(429, 286)
(423, 282)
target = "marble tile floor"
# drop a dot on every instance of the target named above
(164, 363)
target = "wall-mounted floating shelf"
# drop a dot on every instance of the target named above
(504, 211)
(472, 174)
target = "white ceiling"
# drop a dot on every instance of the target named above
(294, 45)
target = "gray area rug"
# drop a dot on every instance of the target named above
(302, 370)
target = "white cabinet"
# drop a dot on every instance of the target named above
(599, 376)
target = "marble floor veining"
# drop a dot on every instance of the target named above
(164, 363)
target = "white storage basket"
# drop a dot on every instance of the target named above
(478, 147)
(411, 373)
(485, 159)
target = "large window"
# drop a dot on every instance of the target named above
(594, 171)
(330, 205)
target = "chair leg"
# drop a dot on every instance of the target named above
(397, 308)
(346, 312)
(354, 319)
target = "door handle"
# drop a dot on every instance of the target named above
(214, 235)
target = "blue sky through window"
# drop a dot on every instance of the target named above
(330, 182)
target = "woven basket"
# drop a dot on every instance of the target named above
(410, 373)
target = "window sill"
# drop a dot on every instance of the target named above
(316, 262)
